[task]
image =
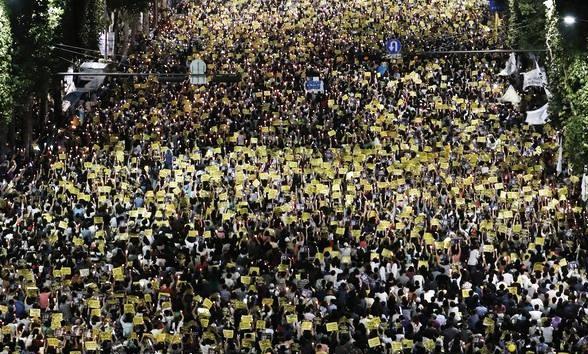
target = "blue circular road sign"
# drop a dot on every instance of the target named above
(393, 46)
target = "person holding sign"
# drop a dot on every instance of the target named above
(405, 207)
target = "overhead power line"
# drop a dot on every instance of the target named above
(99, 53)
(75, 52)
(480, 51)
(80, 48)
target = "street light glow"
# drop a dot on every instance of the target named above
(569, 20)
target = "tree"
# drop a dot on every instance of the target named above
(35, 25)
(513, 33)
(576, 126)
(92, 25)
(6, 103)
(132, 6)
(83, 21)
(126, 20)
(556, 63)
(567, 70)
(526, 24)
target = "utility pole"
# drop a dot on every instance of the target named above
(155, 13)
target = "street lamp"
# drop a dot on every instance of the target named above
(569, 20)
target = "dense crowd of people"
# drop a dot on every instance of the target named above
(405, 209)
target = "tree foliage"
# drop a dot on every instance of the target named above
(5, 66)
(526, 24)
(132, 6)
(33, 37)
(575, 145)
(556, 63)
(576, 129)
(35, 26)
(83, 21)
(568, 83)
(513, 24)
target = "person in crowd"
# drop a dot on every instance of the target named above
(404, 209)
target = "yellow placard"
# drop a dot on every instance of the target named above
(94, 303)
(106, 336)
(90, 345)
(374, 342)
(129, 308)
(207, 303)
(332, 327)
(138, 320)
(53, 342)
(407, 343)
(35, 313)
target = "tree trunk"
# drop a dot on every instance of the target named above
(28, 125)
(57, 103)
(3, 138)
(12, 130)
(44, 107)
(126, 33)
(155, 13)
(131, 26)
(145, 28)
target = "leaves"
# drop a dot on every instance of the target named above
(133, 6)
(527, 24)
(575, 138)
(569, 85)
(83, 21)
(5, 63)
(34, 32)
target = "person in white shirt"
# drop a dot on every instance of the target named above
(507, 278)
(535, 313)
(536, 302)
(547, 332)
(473, 259)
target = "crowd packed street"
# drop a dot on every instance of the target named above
(405, 209)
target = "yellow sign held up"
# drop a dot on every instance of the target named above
(332, 327)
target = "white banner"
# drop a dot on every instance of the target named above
(535, 77)
(511, 96)
(511, 66)
(106, 44)
(538, 116)
(70, 85)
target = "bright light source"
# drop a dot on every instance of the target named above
(569, 20)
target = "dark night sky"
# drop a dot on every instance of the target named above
(577, 35)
